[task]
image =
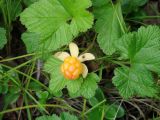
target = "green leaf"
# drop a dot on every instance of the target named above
(136, 80)
(45, 117)
(57, 82)
(74, 85)
(132, 5)
(34, 86)
(43, 96)
(4, 80)
(63, 116)
(67, 116)
(109, 17)
(58, 94)
(31, 41)
(52, 64)
(97, 113)
(99, 3)
(11, 98)
(99, 96)
(74, 95)
(142, 50)
(57, 21)
(142, 47)
(29, 2)
(89, 85)
(3, 39)
(114, 111)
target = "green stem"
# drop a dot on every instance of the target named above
(120, 63)
(15, 58)
(84, 109)
(123, 27)
(94, 107)
(13, 69)
(104, 58)
(146, 17)
(118, 110)
(103, 113)
(28, 110)
(37, 106)
(130, 20)
(100, 72)
(30, 75)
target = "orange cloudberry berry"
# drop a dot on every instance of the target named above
(71, 68)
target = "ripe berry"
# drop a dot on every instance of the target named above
(71, 68)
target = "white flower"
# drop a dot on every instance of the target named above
(73, 56)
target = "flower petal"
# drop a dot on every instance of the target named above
(61, 55)
(86, 57)
(85, 71)
(74, 50)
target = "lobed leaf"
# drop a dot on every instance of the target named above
(45, 117)
(142, 50)
(59, 22)
(99, 3)
(67, 116)
(109, 17)
(133, 81)
(89, 85)
(74, 86)
(57, 81)
(63, 116)
(31, 41)
(142, 47)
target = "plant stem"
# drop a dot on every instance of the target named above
(120, 20)
(118, 110)
(28, 110)
(146, 17)
(103, 113)
(94, 107)
(19, 66)
(15, 58)
(84, 109)
(37, 106)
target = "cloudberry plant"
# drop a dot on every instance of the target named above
(72, 66)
